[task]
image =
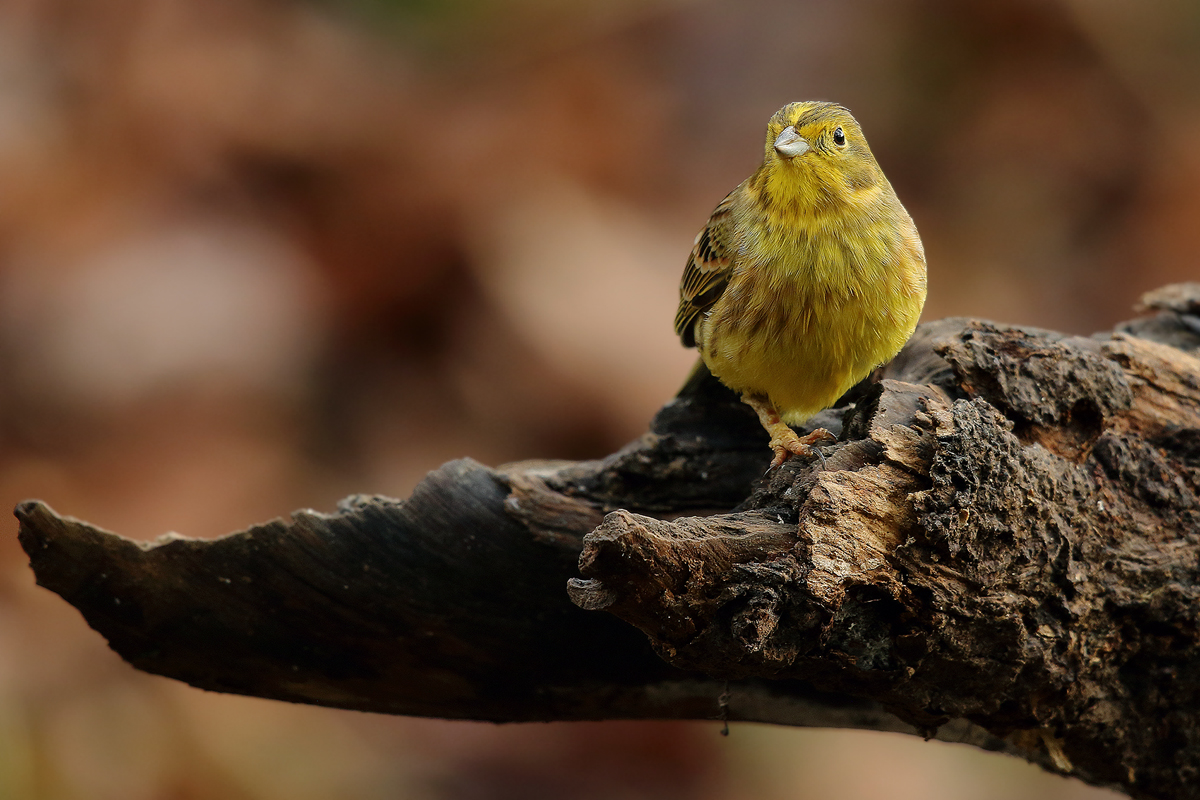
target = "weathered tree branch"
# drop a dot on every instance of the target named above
(1002, 549)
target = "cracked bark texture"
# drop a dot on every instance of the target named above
(1002, 548)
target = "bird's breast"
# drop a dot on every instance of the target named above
(811, 309)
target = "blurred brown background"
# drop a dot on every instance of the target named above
(259, 254)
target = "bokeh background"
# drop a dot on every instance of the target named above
(256, 255)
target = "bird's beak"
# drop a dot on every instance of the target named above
(789, 143)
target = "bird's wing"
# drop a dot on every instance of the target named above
(707, 271)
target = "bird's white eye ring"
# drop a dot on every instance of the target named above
(839, 138)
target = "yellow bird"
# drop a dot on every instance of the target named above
(807, 276)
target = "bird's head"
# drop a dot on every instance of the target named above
(822, 144)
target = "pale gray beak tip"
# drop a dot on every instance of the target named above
(789, 143)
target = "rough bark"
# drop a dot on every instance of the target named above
(1002, 548)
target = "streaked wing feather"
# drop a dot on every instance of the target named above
(707, 271)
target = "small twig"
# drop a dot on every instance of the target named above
(723, 706)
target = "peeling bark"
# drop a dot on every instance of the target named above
(1002, 548)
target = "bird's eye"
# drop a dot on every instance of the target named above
(839, 138)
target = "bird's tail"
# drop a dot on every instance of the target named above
(695, 379)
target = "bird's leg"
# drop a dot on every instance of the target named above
(784, 441)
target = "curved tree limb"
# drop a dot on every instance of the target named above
(1002, 549)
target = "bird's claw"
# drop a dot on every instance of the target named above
(818, 435)
(786, 444)
(781, 455)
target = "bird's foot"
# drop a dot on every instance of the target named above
(786, 443)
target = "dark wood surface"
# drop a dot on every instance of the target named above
(1003, 547)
